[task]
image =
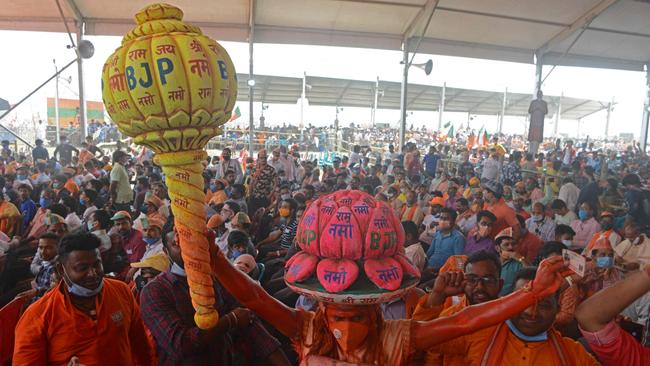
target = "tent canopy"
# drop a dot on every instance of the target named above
(356, 93)
(591, 33)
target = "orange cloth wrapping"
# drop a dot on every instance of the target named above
(183, 177)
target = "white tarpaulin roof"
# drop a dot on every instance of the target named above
(356, 93)
(609, 33)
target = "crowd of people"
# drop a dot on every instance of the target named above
(91, 272)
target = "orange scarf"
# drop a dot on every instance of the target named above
(494, 351)
(411, 213)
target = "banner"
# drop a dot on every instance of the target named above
(69, 112)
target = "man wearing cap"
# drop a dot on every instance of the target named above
(447, 241)
(152, 237)
(607, 232)
(149, 269)
(120, 188)
(149, 210)
(64, 151)
(511, 260)
(506, 216)
(87, 317)
(134, 246)
(22, 177)
(39, 152)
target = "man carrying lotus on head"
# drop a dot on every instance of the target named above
(351, 262)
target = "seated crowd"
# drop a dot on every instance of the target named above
(91, 271)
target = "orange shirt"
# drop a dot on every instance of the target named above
(506, 217)
(52, 330)
(529, 246)
(515, 352)
(218, 197)
(72, 187)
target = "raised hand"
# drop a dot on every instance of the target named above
(449, 284)
(550, 275)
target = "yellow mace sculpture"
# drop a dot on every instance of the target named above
(171, 88)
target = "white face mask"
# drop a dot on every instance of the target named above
(567, 242)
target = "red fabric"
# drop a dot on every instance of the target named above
(9, 316)
(624, 350)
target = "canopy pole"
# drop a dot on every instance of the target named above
(610, 106)
(374, 104)
(302, 104)
(404, 91)
(251, 80)
(503, 110)
(80, 70)
(441, 108)
(646, 111)
(558, 115)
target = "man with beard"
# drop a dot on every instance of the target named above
(482, 283)
(238, 338)
(86, 319)
(229, 164)
(134, 246)
(525, 339)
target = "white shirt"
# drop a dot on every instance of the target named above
(490, 169)
(104, 239)
(73, 221)
(566, 219)
(569, 193)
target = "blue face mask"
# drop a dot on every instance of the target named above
(178, 270)
(21, 177)
(582, 214)
(234, 254)
(143, 208)
(536, 338)
(149, 240)
(82, 201)
(605, 262)
(80, 290)
(45, 202)
(213, 187)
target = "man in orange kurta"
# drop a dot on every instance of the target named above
(525, 340)
(87, 317)
(482, 283)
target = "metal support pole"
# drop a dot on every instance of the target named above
(374, 104)
(610, 106)
(405, 79)
(558, 115)
(251, 84)
(579, 123)
(539, 64)
(503, 110)
(57, 121)
(441, 108)
(302, 104)
(82, 97)
(645, 124)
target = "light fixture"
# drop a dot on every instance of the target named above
(251, 82)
